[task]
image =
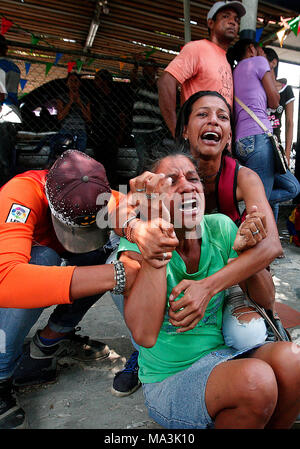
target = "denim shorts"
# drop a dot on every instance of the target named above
(178, 402)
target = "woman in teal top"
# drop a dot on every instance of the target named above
(191, 379)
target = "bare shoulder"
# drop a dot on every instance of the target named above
(249, 184)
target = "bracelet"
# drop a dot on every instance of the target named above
(126, 223)
(130, 231)
(120, 278)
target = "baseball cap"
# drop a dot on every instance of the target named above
(72, 187)
(237, 6)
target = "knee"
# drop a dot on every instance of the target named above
(286, 365)
(242, 334)
(42, 255)
(259, 390)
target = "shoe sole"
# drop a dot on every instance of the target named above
(122, 394)
(80, 359)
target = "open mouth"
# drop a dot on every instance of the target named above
(189, 206)
(211, 136)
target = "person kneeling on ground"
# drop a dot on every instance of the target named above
(48, 219)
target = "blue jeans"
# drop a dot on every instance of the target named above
(15, 324)
(256, 152)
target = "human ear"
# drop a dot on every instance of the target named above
(210, 24)
(185, 134)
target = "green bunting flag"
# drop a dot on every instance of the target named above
(48, 67)
(79, 65)
(294, 25)
(34, 39)
(149, 53)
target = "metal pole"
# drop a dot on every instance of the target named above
(248, 21)
(187, 21)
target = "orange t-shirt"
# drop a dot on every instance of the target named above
(202, 65)
(25, 221)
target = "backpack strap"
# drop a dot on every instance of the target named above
(226, 185)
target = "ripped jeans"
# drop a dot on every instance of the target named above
(242, 326)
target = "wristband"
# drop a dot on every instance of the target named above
(120, 278)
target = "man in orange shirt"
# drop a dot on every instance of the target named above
(202, 65)
(50, 218)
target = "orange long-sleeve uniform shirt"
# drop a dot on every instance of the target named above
(25, 220)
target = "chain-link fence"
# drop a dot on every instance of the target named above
(112, 118)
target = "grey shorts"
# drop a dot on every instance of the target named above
(178, 402)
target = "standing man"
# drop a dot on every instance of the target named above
(202, 65)
(9, 112)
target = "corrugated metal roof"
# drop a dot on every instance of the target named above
(126, 28)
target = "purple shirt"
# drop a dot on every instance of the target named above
(248, 87)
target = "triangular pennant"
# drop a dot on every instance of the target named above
(280, 36)
(5, 25)
(57, 57)
(34, 39)
(27, 67)
(294, 25)
(70, 66)
(48, 67)
(149, 53)
(258, 34)
(90, 61)
(79, 65)
(22, 83)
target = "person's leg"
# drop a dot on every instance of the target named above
(66, 317)
(284, 359)
(218, 390)
(242, 327)
(15, 325)
(286, 187)
(59, 338)
(241, 394)
(256, 153)
(125, 381)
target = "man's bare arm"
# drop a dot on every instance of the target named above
(167, 91)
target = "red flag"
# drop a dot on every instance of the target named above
(70, 66)
(5, 25)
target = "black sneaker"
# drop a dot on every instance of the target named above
(12, 416)
(38, 364)
(35, 368)
(127, 380)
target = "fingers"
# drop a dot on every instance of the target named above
(149, 183)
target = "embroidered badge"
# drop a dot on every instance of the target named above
(18, 214)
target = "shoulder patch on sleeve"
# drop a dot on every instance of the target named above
(18, 214)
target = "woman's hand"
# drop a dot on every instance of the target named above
(156, 240)
(154, 234)
(251, 231)
(190, 309)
